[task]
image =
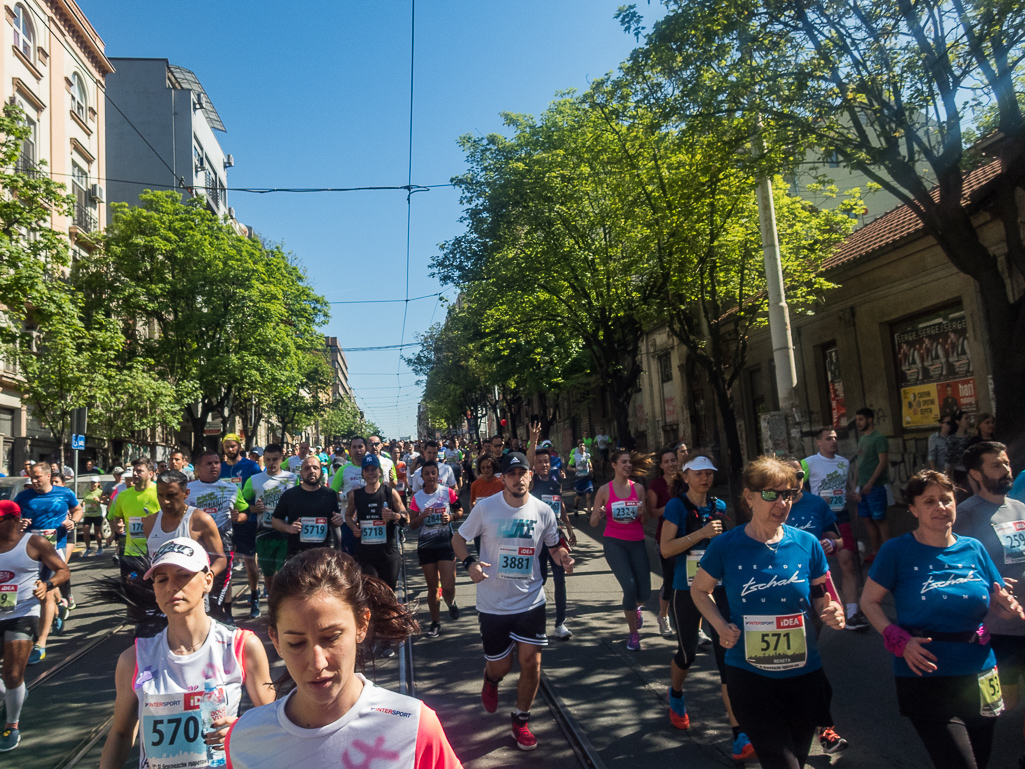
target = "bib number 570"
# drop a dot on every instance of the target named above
(170, 728)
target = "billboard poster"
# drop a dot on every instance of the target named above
(837, 403)
(934, 367)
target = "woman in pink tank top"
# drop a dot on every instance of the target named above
(621, 503)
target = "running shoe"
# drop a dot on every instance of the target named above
(63, 608)
(831, 742)
(38, 655)
(99, 551)
(664, 628)
(703, 638)
(434, 630)
(521, 733)
(678, 712)
(87, 553)
(9, 739)
(72, 605)
(857, 621)
(633, 643)
(388, 653)
(254, 606)
(489, 694)
(562, 632)
(453, 611)
(640, 618)
(743, 750)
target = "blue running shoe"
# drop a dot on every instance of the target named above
(38, 655)
(743, 750)
(678, 712)
(9, 740)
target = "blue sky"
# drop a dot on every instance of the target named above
(317, 95)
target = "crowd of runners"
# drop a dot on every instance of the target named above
(751, 580)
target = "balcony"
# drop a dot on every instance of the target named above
(26, 167)
(85, 219)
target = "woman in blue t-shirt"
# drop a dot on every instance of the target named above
(774, 576)
(942, 586)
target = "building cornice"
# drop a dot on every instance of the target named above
(78, 28)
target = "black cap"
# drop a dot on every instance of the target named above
(514, 459)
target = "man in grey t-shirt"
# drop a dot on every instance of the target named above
(998, 522)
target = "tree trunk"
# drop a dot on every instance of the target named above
(734, 454)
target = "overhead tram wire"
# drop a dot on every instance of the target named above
(387, 301)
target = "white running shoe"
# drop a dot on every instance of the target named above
(703, 639)
(562, 632)
(664, 628)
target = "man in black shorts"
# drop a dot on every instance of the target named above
(512, 526)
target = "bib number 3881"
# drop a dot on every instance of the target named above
(775, 642)
(515, 562)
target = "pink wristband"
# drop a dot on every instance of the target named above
(895, 639)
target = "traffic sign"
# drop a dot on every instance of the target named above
(78, 442)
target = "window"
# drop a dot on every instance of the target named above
(665, 368)
(7, 422)
(24, 33)
(84, 217)
(78, 101)
(27, 160)
(834, 159)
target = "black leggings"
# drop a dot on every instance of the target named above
(781, 748)
(688, 619)
(954, 744)
(383, 565)
(668, 572)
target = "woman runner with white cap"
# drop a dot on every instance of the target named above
(160, 680)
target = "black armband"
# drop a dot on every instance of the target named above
(818, 591)
(468, 562)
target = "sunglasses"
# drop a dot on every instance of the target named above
(800, 475)
(771, 495)
(375, 443)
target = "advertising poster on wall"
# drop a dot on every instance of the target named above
(934, 367)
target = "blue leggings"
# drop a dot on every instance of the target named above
(559, 577)
(629, 562)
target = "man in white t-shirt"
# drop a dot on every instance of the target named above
(375, 446)
(294, 463)
(512, 526)
(445, 475)
(601, 442)
(262, 491)
(829, 476)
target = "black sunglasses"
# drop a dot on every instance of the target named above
(771, 495)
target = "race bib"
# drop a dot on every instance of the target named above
(515, 562)
(554, 501)
(268, 514)
(624, 511)
(373, 532)
(433, 521)
(1012, 537)
(313, 530)
(172, 731)
(775, 642)
(992, 698)
(837, 501)
(135, 528)
(236, 480)
(50, 535)
(8, 597)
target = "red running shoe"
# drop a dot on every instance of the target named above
(521, 733)
(489, 694)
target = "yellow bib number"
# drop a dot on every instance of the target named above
(992, 698)
(8, 597)
(775, 642)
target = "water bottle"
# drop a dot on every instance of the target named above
(213, 706)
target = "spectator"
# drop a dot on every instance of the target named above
(938, 444)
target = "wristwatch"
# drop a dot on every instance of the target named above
(49, 585)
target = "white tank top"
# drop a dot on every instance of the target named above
(380, 730)
(158, 536)
(18, 575)
(169, 688)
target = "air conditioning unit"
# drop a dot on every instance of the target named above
(231, 212)
(200, 164)
(229, 161)
(96, 194)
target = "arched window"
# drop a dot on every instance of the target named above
(78, 100)
(24, 32)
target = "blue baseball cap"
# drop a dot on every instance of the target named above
(371, 460)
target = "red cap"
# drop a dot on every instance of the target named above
(9, 508)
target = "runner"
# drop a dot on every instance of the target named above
(23, 588)
(176, 519)
(692, 520)
(811, 513)
(454, 459)
(263, 491)
(546, 485)
(308, 513)
(445, 475)
(51, 512)
(126, 513)
(161, 680)
(345, 480)
(376, 447)
(658, 496)
(222, 500)
(829, 476)
(778, 696)
(580, 463)
(947, 682)
(510, 596)
(432, 510)
(295, 462)
(621, 503)
(873, 475)
(322, 614)
(179, 460)
(488, 483)
(93, 518)
(374, 513)
(237, 469)
(998, 521)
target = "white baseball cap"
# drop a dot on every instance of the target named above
(183, 552)
(700, 462)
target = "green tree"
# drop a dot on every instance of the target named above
(343, 419)
(223, 318)
(896, 90)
